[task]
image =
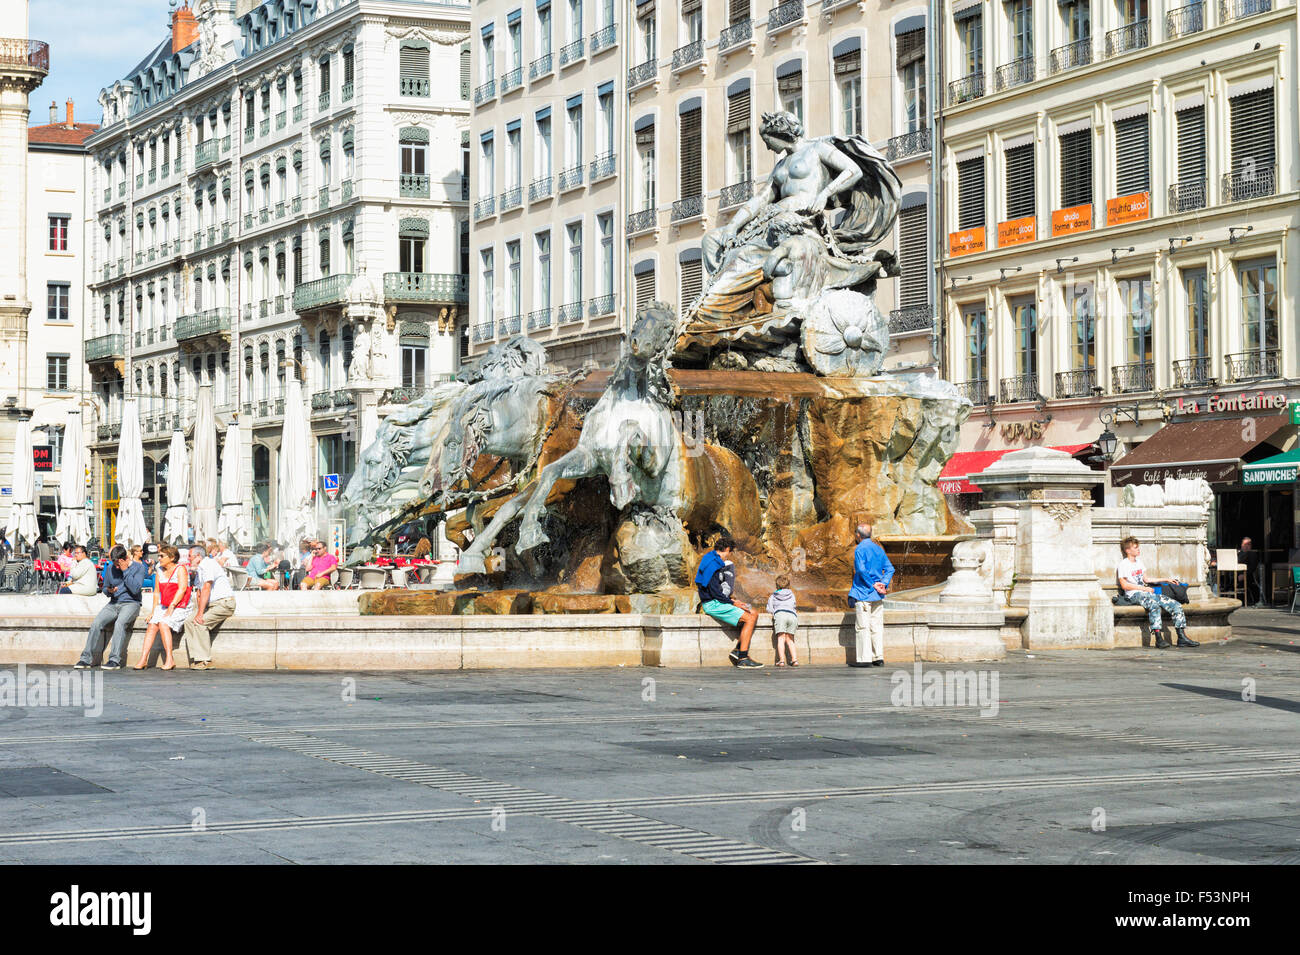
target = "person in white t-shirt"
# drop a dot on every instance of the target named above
(1136, 587)
(215, 605)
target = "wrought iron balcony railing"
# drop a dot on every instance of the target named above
(572, 52)
(343, 398)
(485, 92)
(1016, 73)
(915, 143)
(345, 92)
(25, 54)
(642, 74)
(688, 208)
(688, 55)
(540, 188)
(1131, 36)
(1019, 388)
(512, 81)
(736, 34)
(320, 401)
(213, 321)
(784, 15)
(1185, 20)
(1186, 195)
(735, 194)
(426, 287)
(974, 390)
(570, 178)
(1135, 376)
(415, 187)
(602, 166)
(509, 325)
(642, 221)
(322, 292)
(601, 305)
(570, 313)
(1249, 182)
(1230, 10)
(913, 318)
(966, 88)
(602, 39)
(483, 332)
(413, 86)
(539, 318)
(323, 101)
(1070, 56)
(485, 207)
(1252, 365)
(1194, 372)
(539, 67)
(1080, 383)
(512, 199)
(106, 348)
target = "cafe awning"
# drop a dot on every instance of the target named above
(954, 478)
(1209, 449)
(1279, 469)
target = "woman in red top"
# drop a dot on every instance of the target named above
(171, 606)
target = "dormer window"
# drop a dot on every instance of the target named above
(257, 38)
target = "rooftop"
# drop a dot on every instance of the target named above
(60, 134)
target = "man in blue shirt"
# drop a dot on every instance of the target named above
(872, 573)
(123, 579)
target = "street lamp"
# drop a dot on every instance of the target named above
(1107, 442)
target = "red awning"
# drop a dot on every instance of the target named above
(954, 478)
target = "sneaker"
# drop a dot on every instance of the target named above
(747, 662)
(878, 663)
(734, 656)
(81, 666)
(111, 666)
(200, 665)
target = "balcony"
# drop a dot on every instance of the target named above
(343, 399)
(248, 224)
(539, 67)
(121, 189)
(913, 318)
(1019, 388)
(297, 113)
(323, 292)
(225, 148)
(264, 308)
(485, 92)
(139, 180)
(509, 325)
(426, 287)
(345, 93)
(643, 221)
(248, 134)
(211, 324)
(323, 101)
(483, 332)
(570, 178)
(295, 204)
(1135, 376)
(1249, 182)
(512, 199)
(323, 198)
(278, 305)
(263, 217)
(966, 89)
(1131, 36)
(263, 408)
(106, 348)
(320, 401)
(568, 314)
(206, 153)
(915, 143)
(691, 207)
(572, 52)
(512, 80)
(1071, 56)
(346, 190)
(642, 73)
(601, 305)
(602, 167)
(1080, 383)
(279, 211)
(1254, 365)
(281, 119)
(541, 318)
(1230, 10)
(736, 34)
(413, 187)
(166, 169)
(539, 188)
(1184, 21)
(412, 86)
(735, 194)
(688, 55)
(485, 207)
(1186, 195)
(1194, 373)
(153, 176)
(264, 127)
(976, 390)
(602, 39)
(784, 15)
(25, 54)
(1016, 73)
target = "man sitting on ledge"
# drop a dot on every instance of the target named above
(715, 581)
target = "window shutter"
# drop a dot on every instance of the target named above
(970, 193)
(910, 47)
(1191, 144)
(347, 65)
(1020, 181)
(738, 112)
(645, 288)
(1076, 168)
(690, 6)
(850, 62)
(791, 84)
(414, 64)
(645, 136)
(464, 71)
(644, 11)
(1251, 116)
(1132, 155)
(739, 10)
(912, 255)
(692, 280)
(691, 179)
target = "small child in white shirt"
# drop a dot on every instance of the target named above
(785, 622)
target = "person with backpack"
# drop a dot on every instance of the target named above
(1136, 588)
(715, 582)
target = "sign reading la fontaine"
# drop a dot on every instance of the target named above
(1216, 404)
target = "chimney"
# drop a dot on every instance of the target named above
(71, 124)
(54, 112)
(185, 29)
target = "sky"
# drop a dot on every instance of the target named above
(92, 43)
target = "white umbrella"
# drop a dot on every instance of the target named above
(296, 518)
(22, 510)
(178, 490)
(232, 525)
(73, 524)
(203, 469)
(131, 528)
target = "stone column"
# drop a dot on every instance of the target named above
(1053, 577)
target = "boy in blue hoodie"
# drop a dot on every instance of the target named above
(715, 581)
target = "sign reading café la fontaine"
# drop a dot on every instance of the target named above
(1218, 404)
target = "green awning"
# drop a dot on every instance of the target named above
(1279, 469)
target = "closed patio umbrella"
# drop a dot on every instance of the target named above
(73, 524)
(22, 510)
(131, 528)
(203, 469)
(296, 518)
(232, 524)
(176, 528)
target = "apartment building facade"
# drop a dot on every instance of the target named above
(546, 235)
(258, 164)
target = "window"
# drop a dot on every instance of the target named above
(323, 358)
(647, 34)
(410, 253)
(1189, 191)
(514, 31)
(691, 178)
(487, 61)
(912, 252)
(789, 88)
(1132, 11)
(414, 358)
(573, 231)
(1024, 324)
(513, 290)
(542, 147)
(543, 269)
(486, 166)
(970, 39)
(1083, 326)
(605, 225)
(1132, 155)
(413, 68)
(692, 24)
(487, 275)
(970, 193)
(575, 20)
(544, 30)
(337, 453)
(1020, 26)
(1253, 144)
(645, 151)
(1020, 181)
(324, 248)
(1259, 306)
(57, 294)
(325, 82)
(848, 85)
(514, 156)
(739, 161)
(605, 111)
(975, 323)
(1076, 16)
(691, 279)
(56, 372)
(59, 233)
(910, 62)
(1076, 168)
(644, 280)
(1135, 301)
(1198, 314)
(574, 132)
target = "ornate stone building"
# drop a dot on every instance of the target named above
(263, 169)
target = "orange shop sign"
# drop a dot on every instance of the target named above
(1132, 208)
(1072, 220)
(966, 241)
(1016, 231)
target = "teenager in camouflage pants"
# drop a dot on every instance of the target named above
(1136, 588)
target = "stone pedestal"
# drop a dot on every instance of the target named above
(1049, 495)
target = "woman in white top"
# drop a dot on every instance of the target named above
(1137, 588)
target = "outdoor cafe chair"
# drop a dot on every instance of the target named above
(1227, 561)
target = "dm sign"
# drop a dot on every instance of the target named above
(41, 459)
